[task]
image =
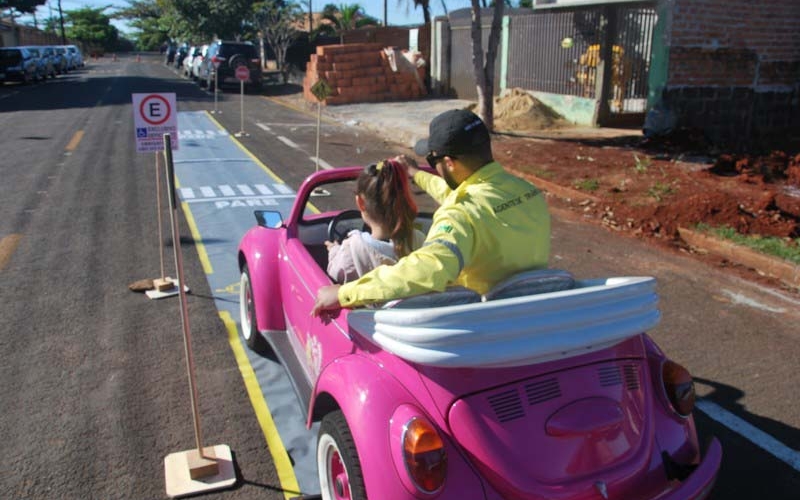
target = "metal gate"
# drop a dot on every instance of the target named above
(561, 51)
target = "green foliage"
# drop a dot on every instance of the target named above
(20, 6)
(204, 20)
(344, 17)
(641, 164)
(659, 191)
(148, 19)
(587, 184)
(91, 27)
(278, 21)
(784, 248)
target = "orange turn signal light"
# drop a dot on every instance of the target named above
(424, 455)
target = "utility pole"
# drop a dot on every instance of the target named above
(61, 20)
(310, 18)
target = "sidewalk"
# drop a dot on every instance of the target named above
(407, 122)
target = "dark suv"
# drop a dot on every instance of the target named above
(229, 56)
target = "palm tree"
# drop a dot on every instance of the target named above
(345, 17)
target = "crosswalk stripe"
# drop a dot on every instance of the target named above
(187, 193)
(263, 189)
(282, 188)
(227, 190)
(207, 191)
(245, 189)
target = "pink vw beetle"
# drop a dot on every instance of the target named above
(545, 388)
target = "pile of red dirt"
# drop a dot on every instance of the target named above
(651, 192)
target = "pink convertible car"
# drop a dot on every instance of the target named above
(547, 387)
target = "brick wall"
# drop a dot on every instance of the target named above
(734, 69)
(359, 73)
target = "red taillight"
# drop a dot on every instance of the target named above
(679, 386)
(424, 455)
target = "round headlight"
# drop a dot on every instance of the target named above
(679, 387)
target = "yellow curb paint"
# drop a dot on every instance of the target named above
(7, 247)
(202, 254)
(280, 457)
(248, 153)
(76, 139)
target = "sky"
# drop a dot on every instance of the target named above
(398, 11)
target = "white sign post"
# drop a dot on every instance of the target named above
(215, 63)
(242, 74)
(153, 116)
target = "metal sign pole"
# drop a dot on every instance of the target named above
(319, 125)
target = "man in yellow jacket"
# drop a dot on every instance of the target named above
(490, 224)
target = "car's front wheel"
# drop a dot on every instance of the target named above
(340, 475)
(247, 312)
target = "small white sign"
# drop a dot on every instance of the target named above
(153, 116)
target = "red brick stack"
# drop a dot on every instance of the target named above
(359, 73)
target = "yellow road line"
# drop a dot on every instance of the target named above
(7, 247)
(280, 457)
(76, 139)
(248, 153)
(202, 254)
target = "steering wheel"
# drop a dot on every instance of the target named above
(338, 234)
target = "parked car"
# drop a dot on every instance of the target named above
(66, 60)
(547, 386)
(44, 63)
(18, 64)
(229, 56)
(197, 64)
(49, 52)
(60, 62)
(76, 55)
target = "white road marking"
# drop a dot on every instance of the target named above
(288, 142)
(322, 163)
(751, 433)
(738, 298)
(187, 193)
(263, 127)
(245, 189)
(263, 189)
(227, 190)
(207, 191)
(283, 188)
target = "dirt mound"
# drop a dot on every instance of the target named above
(519, 111)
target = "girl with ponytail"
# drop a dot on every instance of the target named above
(384, 198)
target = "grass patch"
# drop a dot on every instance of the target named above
(587, 184)
(659, 191)
(641, 164)
(784, 248)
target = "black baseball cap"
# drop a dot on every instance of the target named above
(452, 133)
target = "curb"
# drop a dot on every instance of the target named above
(555, 189)
(771, 266)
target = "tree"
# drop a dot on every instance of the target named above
(224, 19)
(92, 27)
(484, 69)
(150, 20)
(344, 18)
(426, 8)
(15, 8)
(278, 22)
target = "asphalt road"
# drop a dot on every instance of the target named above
(94, 387)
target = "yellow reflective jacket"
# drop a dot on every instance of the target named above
(490, 227)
